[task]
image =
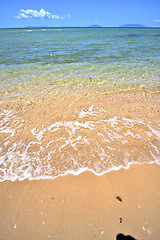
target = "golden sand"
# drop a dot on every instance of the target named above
(84, 206)
(72, 131)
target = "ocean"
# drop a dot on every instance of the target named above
(78, 99)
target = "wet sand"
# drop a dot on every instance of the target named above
(83, 207)
(51, 134)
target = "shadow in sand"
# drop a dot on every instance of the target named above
(123, 237)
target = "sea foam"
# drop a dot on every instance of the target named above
(94, 142)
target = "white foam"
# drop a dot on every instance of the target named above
(99, 140)
(132, 122)
(156, 148)
(86, 113)
(39, 135)
(27, 174)
(136, 136)
(154, 131)
(87, 169)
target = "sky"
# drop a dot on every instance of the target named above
(57, 13)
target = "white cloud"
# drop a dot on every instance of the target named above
(29, 13)
(156, 20)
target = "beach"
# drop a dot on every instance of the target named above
(92, 205)
(47, 137)
(83, 207)
(79, 133)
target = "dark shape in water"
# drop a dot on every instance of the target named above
(135, 35)
(131, 35)
(95, 26)
(121, 236)
(132, 26)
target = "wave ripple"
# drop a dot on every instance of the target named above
(93, 141)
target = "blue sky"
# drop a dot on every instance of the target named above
(55, 13)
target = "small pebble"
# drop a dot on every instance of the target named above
(119, 198)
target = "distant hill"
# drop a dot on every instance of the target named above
(133, 26)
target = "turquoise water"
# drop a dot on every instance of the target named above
(108, 58)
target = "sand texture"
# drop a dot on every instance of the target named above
(83, 207)
(48, 136)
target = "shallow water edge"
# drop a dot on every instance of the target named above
(55, 135)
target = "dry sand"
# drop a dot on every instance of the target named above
(83, 207)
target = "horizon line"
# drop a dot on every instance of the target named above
(74, 27)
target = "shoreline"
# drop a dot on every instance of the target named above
(75, 132)
(81, 171)
(84, 206)
(79, 135)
